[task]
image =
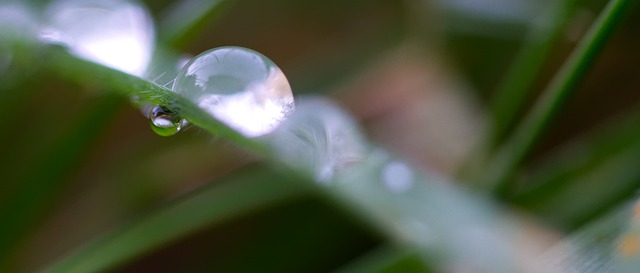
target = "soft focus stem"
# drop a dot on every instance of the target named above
(508, 159)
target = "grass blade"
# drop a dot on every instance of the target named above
(45, 180)
(237, 195)
(412, 218)
(516, 86)
(128, 85)
(386, 259)
(509, 157)
(586, 178)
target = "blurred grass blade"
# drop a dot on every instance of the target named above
(625, 255)
(248, 191)
(412, 217)
(46, 178)
(128, 85)
(515, 87)
(593, 193)
(507, 160)
(447, 227)
(184, 19)
(588, 177)
(580, 156)
(386, 259)
(590, 249)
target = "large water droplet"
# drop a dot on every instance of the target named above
(164, 122)
(118, 34)
(239, 87)
(318, 138)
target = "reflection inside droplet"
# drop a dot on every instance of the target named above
(318, 138)
(238, 86)
(118, 34)
(397, 177)
(165, 122)
(17, 21)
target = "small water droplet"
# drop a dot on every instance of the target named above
(319, 138)
(238, 86)
(118, 34)
(164, 122)
(397, 177)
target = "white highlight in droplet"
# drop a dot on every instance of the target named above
(118, 34)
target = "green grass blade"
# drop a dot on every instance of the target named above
(580, 156)
(586, 178)
(386, 259)
(129, 86)
(29, 200)
(509, 157)
(413, 218)
(515, 88)
(590, 249)
(237, 195)
(184, 19)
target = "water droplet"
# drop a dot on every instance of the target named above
(164, 122)
(118, 34)
(318, 138)
(238, 86)
(397, 177)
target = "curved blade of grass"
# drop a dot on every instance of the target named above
(447, 226)
(516, 85)
(386, 259)
(590, 249)
(46, 178)
(588, 177)
(579, 157)
(237, 195)
(128, 85)
(593, 193)
(184, 19)
(507, 160)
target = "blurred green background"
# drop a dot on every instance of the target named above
(420, 77)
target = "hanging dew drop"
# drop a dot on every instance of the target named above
(164, 122)
(238, 86)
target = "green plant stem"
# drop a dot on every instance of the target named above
(582, 155)
(587, 177)
(237, 195)
(128, 85)
(515, 88)
(413, 218)
(386, 259)
(46, 178)
(509, 157)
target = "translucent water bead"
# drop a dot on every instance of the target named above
(239, 87)
(114, 33)
(319, 138)
(164, 122)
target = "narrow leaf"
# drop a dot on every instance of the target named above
(510, 156)
(237, 195)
